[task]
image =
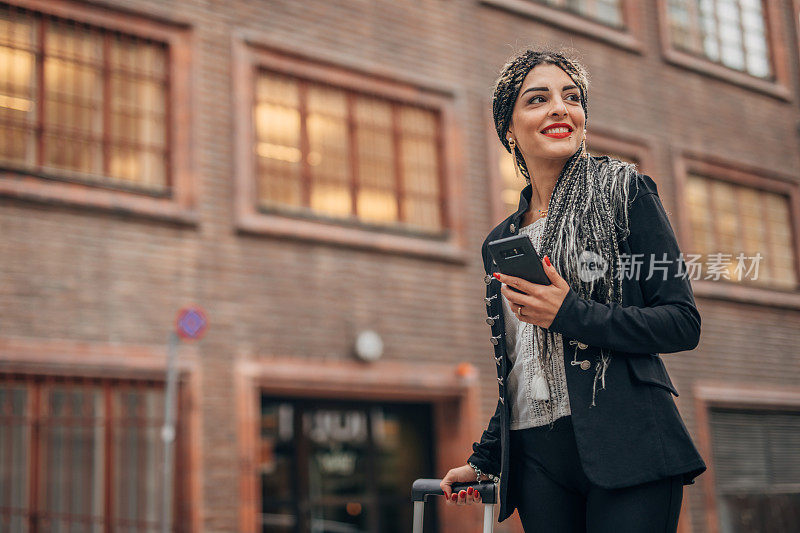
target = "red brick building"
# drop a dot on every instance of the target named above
(311, 172)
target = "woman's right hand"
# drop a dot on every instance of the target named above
(462, 474)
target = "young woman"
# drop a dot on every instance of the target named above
(586, 436)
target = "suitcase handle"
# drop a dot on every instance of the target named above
(422, 488)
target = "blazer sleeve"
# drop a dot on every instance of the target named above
(668, 322)
(487, 452)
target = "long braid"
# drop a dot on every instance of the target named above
(588, 209)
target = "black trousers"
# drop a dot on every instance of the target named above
(552, 493)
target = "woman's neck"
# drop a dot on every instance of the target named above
(544, 176)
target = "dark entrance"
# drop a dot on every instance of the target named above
(330, 466)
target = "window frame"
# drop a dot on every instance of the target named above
(737, 173)
(778, 56)
(629, 38)
(743, 396)
(250, 55)
(177, 204)
(61, 358)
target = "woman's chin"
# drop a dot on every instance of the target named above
(562, 153)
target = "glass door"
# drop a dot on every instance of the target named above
(331, 466)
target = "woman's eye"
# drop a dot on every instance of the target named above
(534, 101)
(575, 97)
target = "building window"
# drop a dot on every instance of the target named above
(345, 155)
(730, 219)
(511, 183)
(335, 466)
(757, 469)
(730, 32)
(83, 454)
(607, 12)
(82, 103)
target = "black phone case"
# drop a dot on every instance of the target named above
(516, 256)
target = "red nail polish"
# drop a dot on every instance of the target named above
(547, 260)
(454, 497)
(469, 491)
(496, 276)
(462, 494)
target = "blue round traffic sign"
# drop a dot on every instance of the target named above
(191, 323)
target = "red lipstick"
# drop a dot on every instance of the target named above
(560, 134)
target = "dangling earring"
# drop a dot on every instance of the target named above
(583, 144)
(513, 144)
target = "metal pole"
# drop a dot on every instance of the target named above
(168, 432)
(419, 514)
(488, 518)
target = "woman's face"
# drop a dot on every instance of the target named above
(548, 96)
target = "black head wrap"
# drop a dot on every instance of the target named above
(510, 82)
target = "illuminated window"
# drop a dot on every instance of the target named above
(604, 11)
(82, 454)
(82, 103)
(729, 218)
(512, 184)
(730, 32)
(342, 154)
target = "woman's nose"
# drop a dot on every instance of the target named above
(559, 108)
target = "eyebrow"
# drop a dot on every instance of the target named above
(545, 89)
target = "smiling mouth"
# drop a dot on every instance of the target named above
(557, 133)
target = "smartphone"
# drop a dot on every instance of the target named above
(516, 256)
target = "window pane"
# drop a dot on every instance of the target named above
(73, 89)
(14, 457)
(512, 185)
(346, 155)
(423, 213)
(138, 457)
(138, 136)
(605, 11)
(75, 422)
(757, 466)
(420, 162)
(277, 129)
(781, 253)
(731, 32)
(329, 150)
(377, 205)
(376, 152)
(17, 87)
(104, 101)
(73, 467)
(744, 221)
(700, 215)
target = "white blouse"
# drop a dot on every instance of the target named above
(526, 385)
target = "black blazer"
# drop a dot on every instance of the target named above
(634, 433)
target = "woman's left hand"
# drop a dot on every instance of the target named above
(539, 303)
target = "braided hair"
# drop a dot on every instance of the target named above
(588, 209)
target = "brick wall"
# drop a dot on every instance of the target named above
(99, 276)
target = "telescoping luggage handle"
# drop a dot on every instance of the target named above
(422, 488)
